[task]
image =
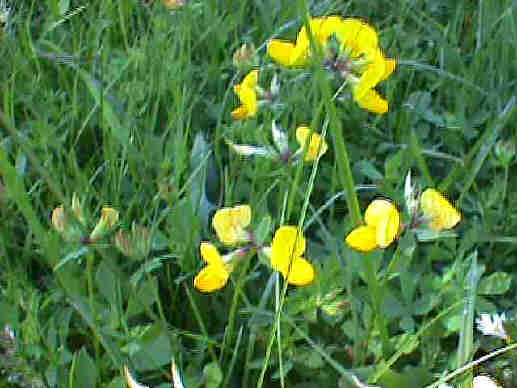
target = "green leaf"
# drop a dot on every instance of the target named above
(262, 231)
(83, 373)
(212, 375)
(154, 349)
(9, 314)
(143, 298)
(107, 283)
(495, 284)
(393, 166)
(203, 178)
(367, 168)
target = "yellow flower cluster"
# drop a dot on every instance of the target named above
(285, 253)
(382, 220)
(229, 225)
(360, 60)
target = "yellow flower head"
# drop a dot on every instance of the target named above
(382, 220)
(229, 224)
(247, 93)
(438, 210)
(315, 147)
(360, 59)
(286, 251)
(215, 275)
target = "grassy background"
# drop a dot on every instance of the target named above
(110, 102)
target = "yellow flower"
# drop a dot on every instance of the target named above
(174, 4)
(286, 251)
(247, 93)
(359, 60)
(229, 224)
(215, 275)
(316, 147)
(382, 220)
(438, 210)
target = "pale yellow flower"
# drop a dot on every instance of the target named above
(247, 93)
(441, 214)
(230, 224)
(382, 220)
(109, 218)
(215, 275)
(315, 147)
(286, 256)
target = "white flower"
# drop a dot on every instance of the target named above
(358, 383)
(483, 382)
(492, 324)
(130, 381)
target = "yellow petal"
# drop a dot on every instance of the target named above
(251, 80)
(211, 278)
(229, 224)
(210, 254)
(281, 51)
(332, 25)
(241, 113)
(373, 74)
(387, 229)
(301, 274)
(358, 36)
(363, 238)
(288, 244)
(248, 98)
(384, 216)
(317, 145)
(371, 101)
(389, 68)
(439, 210)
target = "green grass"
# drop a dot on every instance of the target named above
(129, 106)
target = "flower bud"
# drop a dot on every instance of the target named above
(244, 56)
(174, 4)
(504, 152)
(65, 226)
(135, 245)
(109, 218)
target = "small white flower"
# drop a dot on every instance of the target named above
(492, 324)
(249, 150)
(358, 383)
(280, 139)
(483, 382)
(130, 381)
(410, 195)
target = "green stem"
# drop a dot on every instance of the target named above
(343, 160)
(91, 298)
(375, 291)
(416, 150)
(505, 183)
(201, 325)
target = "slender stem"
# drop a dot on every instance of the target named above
(374, 289)
(505, 183)
(201, 325)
